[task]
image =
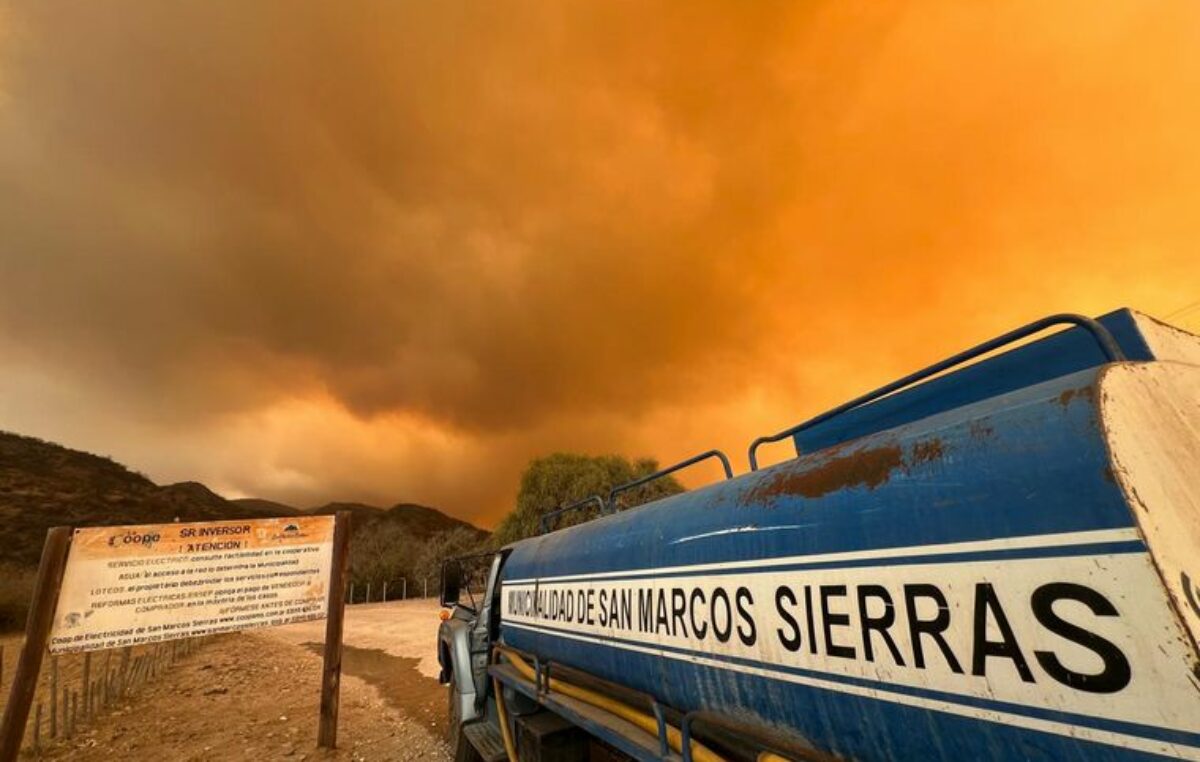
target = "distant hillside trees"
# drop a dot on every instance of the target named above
(563, 478)
(383, 552)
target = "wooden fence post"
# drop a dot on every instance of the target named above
(87, 682)
(331, 673)
(54, 697)
(108, 677)
(125, 653)
(37, 634)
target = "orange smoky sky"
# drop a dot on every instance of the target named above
(389, 250)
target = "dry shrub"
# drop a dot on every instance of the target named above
(16, 589)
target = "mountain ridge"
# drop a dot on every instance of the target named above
(44, 484)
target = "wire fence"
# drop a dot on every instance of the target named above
(75, 689)
(389, 590)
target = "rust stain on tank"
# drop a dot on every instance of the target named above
(981, 429)
(1067, 395)
(929, 450)
(869, 468)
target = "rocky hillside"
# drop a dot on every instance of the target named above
(43, 484)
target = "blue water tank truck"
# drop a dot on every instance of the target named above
(994, 558)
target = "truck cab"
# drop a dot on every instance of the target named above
(470, 626)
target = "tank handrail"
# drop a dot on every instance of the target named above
(612, 495)
(1108, 345)
(544, 523)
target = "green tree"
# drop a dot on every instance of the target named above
(562, 478)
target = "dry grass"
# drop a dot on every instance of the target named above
(16, 590)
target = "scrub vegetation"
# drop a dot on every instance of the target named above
(16, 589)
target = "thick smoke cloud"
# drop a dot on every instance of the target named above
(391, 250)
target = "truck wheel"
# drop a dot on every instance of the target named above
(460, 747)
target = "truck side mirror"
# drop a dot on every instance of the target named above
(451, 582)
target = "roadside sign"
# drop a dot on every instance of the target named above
(144, 584)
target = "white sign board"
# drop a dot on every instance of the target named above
(143, 584)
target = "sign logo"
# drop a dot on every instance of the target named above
(145, 539)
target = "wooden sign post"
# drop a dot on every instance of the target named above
(240, 574)
(37, 634)
(331, 673)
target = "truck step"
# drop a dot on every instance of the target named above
(486, 739)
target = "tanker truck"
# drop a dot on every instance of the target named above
(994, 558)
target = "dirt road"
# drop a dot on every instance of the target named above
(254, 695)
(405, 630)
(391, 646)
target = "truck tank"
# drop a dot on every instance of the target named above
(1000, 563)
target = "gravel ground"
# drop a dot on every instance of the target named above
(255, 695)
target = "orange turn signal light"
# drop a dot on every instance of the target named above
(444, 614)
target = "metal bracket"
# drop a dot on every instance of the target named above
(685, 736)
(541, 676)
(664, 747)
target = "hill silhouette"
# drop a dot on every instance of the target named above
(43, 484)
(419, 521)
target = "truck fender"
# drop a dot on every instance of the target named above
(454, 655)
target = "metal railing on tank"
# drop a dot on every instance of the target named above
(615, 491)
(605, 507)
(1108, 345)
(544, 523)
